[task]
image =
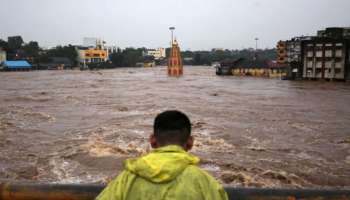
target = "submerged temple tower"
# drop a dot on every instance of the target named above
(174, 60)
(175, 67)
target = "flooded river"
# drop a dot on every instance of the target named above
(78, 126)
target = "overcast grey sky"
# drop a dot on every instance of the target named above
(200, 24)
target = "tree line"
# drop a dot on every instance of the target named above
(16, 49)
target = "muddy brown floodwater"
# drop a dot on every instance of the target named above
(78, 126)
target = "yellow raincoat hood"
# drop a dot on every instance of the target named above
(162, 164)
(167, 173)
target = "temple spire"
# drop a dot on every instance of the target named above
(175, 67)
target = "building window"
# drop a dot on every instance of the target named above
(309, 64)
(328, 53)
(318, 53)
(338, 53)
(310, 54)
(318, 64)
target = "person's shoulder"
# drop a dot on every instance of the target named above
(194, 169)
(206, 182)
(196, 173)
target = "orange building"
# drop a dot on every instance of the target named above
(175, 67)
(92, 55)
(281, 52)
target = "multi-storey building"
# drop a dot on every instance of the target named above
(92, 54)
(334, 32)
(293, 56)
(327, 56)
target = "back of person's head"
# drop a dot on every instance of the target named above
(172, 127)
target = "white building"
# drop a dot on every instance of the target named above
(2, 56)
(156, 53)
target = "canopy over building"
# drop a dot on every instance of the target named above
(16, 65)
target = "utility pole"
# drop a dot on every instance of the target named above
(256, 49)
(172, 34)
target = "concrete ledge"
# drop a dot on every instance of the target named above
(32, 191)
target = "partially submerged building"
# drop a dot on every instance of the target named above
(57, 63)
(251, 67)
(149, 61)
(259, 68)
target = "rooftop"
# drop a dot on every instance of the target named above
(17, 64)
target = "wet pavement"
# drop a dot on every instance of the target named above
(78, 126)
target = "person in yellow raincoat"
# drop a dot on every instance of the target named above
(168, 172)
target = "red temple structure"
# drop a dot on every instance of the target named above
(175, 67)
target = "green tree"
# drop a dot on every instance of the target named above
(4, 45)
(202, 58)
(117, 58)
(31, 49)
(127, 58)
(131, 56)
(187, 54)
(62, 51)
(15, 42)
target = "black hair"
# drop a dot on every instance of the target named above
(172, 127)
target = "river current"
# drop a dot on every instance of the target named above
(78, 126)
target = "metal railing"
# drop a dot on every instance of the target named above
(32, 191)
